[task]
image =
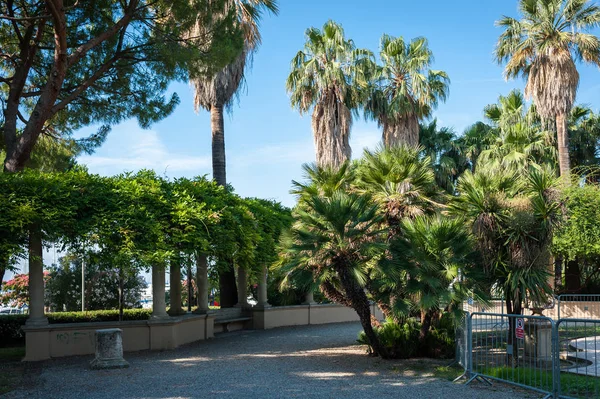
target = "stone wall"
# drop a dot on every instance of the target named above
(60, 340)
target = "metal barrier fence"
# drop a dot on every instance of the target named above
(495, 305)
(579, 306)
(512, 348)
(559, 359)
(578, 349)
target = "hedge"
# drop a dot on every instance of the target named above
(12, 335)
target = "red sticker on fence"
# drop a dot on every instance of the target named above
(520, 329)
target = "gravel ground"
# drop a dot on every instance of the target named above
(308, 361)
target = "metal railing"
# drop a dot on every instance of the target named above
(580, 306)
(578, 351)
(560, 359)
(514, 349)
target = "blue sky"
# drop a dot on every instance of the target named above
(267, 141)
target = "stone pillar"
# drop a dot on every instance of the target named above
(242, 287)
(36, 280)
(309, 298)
(202, 283)
(159, 306)
(175, 295)
(262, 289)
(109, 350)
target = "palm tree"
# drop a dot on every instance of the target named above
(584, 138)
(543, 47)
(400, 181)
(334, 238)
(443, 148)
(327, 76)
(405, 89)
(402, 184)
(214, 92)
(474, 140)
(435, 254)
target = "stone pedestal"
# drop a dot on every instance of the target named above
(538, 340)
(309, 298)
(109, 350)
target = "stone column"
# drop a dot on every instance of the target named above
(202, 283)
(36, 280)
(242, 286)
(309, 298)
(262, 289)
(159, 306)
(175, 295)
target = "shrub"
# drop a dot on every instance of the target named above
(98, 315)
(402, 341)
(10, 330)
(12, 335)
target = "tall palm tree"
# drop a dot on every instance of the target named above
(543, 47)
(405, 89)
(326, 76)
(217, 91)
(214, 92)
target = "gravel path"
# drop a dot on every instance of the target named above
(301, 362)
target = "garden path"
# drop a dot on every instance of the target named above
(303, 362)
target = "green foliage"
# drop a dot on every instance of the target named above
(133, 221)
(10, 330)
(121, 58)
(402, 340)
(98, 315)
(577, 238)
(512, 217)
(63, 288)
(404, 85)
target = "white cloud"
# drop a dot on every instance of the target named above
(285, 153)
(362, 139)
(138, 149)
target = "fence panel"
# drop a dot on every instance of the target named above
(515, 349)
(578, 348)
(496, 305)
(579, 306)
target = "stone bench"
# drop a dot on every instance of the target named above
(228, 325)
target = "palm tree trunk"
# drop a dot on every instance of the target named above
(358, 299)
(227, 284)
(403, 132)
(218, 144)
(562, 137)
(426, 317)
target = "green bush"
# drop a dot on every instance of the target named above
(10, 330)
(12, 335)
(402, 341)
(98, 315)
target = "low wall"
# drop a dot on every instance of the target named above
(60, 340)
(282, 316)
(568, 309)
